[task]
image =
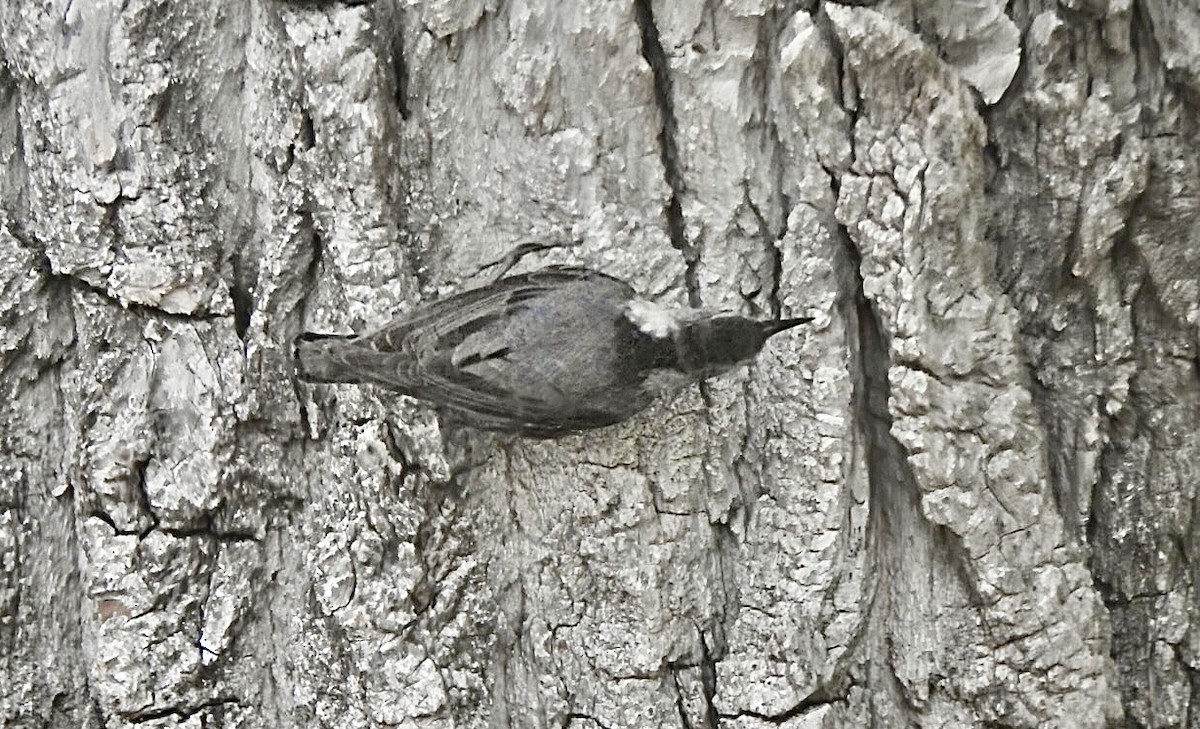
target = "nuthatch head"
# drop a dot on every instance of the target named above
(543, 354)
(707, 343)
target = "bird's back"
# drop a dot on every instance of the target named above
(541, 353)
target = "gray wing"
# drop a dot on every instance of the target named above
(479, 352)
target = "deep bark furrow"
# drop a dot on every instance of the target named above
(656, 57)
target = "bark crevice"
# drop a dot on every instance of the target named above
(668, 149)
(182, 713)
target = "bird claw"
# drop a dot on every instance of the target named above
(514, 257)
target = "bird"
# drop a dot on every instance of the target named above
(544, 354)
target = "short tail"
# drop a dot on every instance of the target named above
(318, 357)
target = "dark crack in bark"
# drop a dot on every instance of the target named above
(182, 713)
(45, 265)
(771, 242)
(572, 716)
(312, 274)
(818, 698)
(668, 149)
(142, 495)
(399, 63)
(708, 679)
(14, 172)
(241, 291)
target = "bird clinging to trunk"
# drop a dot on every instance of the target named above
(542, 354)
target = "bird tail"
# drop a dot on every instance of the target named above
(320, 357)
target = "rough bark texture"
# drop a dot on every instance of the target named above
(965, 498)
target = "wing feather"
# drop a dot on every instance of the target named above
(426, 354)
(453, 319)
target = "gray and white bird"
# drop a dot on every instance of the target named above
(541, 354)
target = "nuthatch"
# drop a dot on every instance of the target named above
(541, 354)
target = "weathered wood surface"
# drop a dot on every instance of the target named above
(964, 497)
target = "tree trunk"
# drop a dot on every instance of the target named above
(963, 498)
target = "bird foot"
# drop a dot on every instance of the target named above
(506, 264)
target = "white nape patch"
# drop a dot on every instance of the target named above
(652, 319)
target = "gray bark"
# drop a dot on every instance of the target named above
(964, 498)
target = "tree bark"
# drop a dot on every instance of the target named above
(965, 497)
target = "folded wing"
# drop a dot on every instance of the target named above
(478, 351)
